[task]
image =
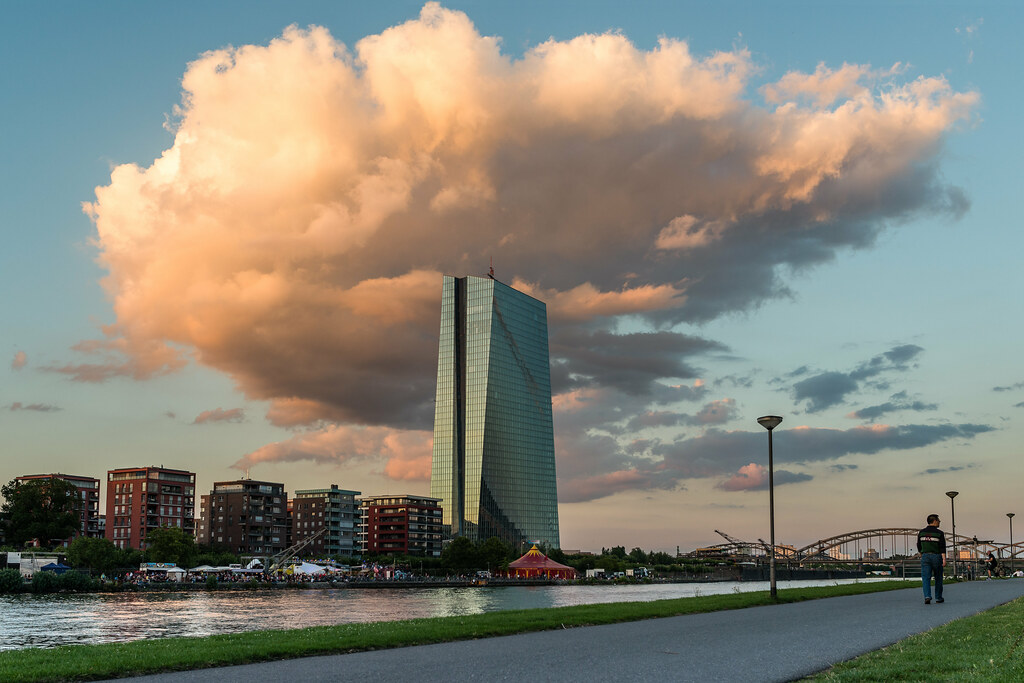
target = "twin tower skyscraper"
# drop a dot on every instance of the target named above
(494, 453)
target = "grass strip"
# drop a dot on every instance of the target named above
(112, 660)
(986, 647)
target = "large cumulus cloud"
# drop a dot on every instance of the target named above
(294, 234)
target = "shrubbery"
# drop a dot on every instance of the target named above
(45, 582)
(11, 581)
(76, 582)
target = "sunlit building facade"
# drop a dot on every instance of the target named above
(494, 455)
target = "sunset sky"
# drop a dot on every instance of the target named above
(225, 226)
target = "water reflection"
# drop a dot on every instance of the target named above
(52, 620)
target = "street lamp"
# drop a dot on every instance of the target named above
(770, 422)
(1010, 515)
(952, 512)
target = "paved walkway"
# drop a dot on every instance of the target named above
(774, 643)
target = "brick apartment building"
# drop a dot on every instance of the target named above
(141, 499)
(88, 502)
(403, 525)
(245, 516)
(313, 509)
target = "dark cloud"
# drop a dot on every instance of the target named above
(828, 389)
(1019, 405)
(1009, 387)
(714, 413)
(954, 468)
(842, 467)
(632, 363)
(35, 407)
(596, 466)
(897, 402)
(824, 390)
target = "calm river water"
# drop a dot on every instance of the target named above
(50, 620)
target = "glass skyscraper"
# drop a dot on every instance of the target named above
(494, 450)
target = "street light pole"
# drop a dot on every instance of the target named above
(1010, 515)
(952, 512)
(770, 422)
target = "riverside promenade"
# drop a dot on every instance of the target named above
(773, 643)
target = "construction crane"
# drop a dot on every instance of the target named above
(742, 544)
(277, 561)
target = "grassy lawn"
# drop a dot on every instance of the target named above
(985, 647)
(89, 662)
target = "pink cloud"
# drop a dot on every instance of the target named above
(752, 476)
(293, 234)
(220, 415)
(406, 455)
(20, 360)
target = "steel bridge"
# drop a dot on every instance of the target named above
(861, 546)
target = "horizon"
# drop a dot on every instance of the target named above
(227, 225)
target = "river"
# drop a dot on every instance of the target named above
(28, 620)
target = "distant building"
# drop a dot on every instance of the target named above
(400, 525)
(494, 455)
(141, 499)
(313, 509)
(88, 504)
(245, 516)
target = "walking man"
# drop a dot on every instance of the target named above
(931, 543)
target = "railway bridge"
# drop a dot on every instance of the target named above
(866, 545)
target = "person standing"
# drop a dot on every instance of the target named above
(931, 543)
(992, 564)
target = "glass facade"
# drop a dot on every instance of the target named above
(494, 454)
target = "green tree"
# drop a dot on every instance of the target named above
(129, 558)
(494, 553)
(658, 557)
(171, 544)
(637, 555)
(618, 551)
(97, 554)
(460, 554)
(558, 556)
(39, 509)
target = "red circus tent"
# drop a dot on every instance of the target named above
(535, 564)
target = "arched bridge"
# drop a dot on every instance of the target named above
(866, 544)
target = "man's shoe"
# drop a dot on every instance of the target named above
(939, 600)
(927, 601)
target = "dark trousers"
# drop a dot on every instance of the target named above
(931, 565)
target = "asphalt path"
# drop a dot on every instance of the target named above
(771, 643)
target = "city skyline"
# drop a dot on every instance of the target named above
(226, 227)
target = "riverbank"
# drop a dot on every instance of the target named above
(92, 662)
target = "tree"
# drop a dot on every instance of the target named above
(460, 554)
(494, 553)
(45, 510)
(97, 554)
(637, 555)
(171, 544)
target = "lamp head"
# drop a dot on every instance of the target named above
(952, 494)
(769, 422)
(1010, 515)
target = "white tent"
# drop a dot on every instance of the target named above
(307, 568)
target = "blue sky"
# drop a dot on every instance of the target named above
(912, 311)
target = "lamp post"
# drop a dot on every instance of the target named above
(1010, 515)
(952, 512)
(770, 422)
